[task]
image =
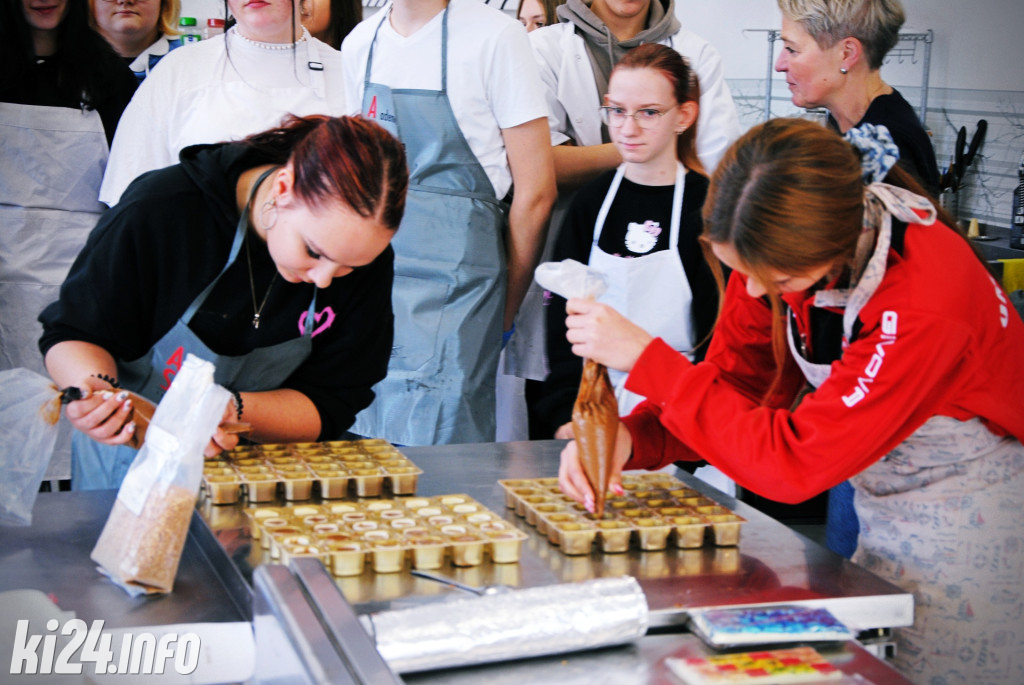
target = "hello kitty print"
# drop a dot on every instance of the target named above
(641, 238)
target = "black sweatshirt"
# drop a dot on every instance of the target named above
(170, 235)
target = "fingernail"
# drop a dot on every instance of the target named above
(617, 489)
(127, 405)
(131, 426)
(122, 396)
(106, 394)
(588, 503)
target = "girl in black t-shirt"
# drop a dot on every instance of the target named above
(639, 226)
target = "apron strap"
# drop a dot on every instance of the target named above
(316, 67)
(677, 204)
(444, 50)
(241, 230)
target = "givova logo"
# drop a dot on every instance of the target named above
(874, 365)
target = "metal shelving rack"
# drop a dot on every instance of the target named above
(905, 49)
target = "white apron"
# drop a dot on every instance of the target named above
(940, 517)
(651, 291)
(53, 162)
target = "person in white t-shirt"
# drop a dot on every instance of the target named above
(225, 88)
(450, 79)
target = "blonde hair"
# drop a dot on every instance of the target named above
(170, 13)
(875, 23)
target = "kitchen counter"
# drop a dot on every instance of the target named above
(52, 556)
(771, 565)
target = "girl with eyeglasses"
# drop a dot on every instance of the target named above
(639, 225)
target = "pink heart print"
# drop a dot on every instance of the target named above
(326, 313)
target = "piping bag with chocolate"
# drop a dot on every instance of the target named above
(595, 416)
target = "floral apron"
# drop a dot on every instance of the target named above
(940, 516)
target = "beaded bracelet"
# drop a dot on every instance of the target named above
(238, 403)
(109, 379)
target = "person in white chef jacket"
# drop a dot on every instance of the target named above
(225, 88)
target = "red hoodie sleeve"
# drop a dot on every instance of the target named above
(887, 383)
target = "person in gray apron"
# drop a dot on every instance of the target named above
(450, 272)
(96, 466)
(918, 408)
(54, 153)
(288, 296)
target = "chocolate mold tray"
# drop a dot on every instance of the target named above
(387, 534)
(657, 510)
(335, 470)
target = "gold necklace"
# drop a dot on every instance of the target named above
(257, 311)
(252, 287)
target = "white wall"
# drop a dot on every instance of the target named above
(978, 44)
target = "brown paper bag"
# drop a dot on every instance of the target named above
(595, 422)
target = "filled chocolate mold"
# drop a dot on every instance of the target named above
(656, 511)
(300, 471)
(387, 534)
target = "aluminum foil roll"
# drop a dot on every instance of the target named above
(513, 625)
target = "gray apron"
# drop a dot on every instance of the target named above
(450, 277)
(96, 466)
(939, 517)
(53, 163)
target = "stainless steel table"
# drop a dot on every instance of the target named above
(52, 555)
(771, 565)
(642, 663)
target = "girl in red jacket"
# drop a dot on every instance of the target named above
(914, 358)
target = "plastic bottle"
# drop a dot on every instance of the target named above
(214, 27)
(189, 30)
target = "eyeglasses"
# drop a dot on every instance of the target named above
(645, 118)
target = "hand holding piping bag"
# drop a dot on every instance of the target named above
(592, 463)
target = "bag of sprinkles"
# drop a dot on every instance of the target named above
(142, 541)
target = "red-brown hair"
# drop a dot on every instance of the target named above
(685, 88)
(348, 159)
(788, 196)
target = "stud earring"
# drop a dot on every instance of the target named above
(843, 70)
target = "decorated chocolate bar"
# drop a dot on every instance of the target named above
(767, 625)
(797, 665)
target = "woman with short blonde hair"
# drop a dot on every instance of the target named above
(832, 56)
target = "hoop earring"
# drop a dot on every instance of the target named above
(843, 70)
(268, 206)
